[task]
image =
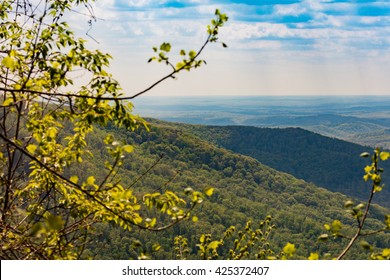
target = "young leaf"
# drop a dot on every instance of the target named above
(289, 249)
(91, 180)
(31, 148)
(313, 256)
(209, 191)
(384, 155)
(8, 62)
(323, 237)
(74, 179)
(165, 47)
(128, 148)
(214, 245)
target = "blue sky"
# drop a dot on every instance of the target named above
(275, 47)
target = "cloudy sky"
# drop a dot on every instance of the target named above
(309, 47)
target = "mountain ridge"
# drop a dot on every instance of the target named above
(327, 162)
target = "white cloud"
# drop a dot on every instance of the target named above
(324, 32)
(289, 10)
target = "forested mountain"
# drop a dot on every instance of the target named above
(327, 162)
(170, 157)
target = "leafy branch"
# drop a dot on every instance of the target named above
(189, 61)
(360, 212)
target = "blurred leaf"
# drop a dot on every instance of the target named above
(31, 148)
(365, 245)
(8, 62)
(55, 222)
(213, 245)
(209, 191)
(74, 179)
(313, 256)
(90, 180)
(8, 102)
(289, 249)
(384, 155)
(348, 203)
(156, 247)
(136, 244)
(323, 237)
(128, 148)
(165, 47)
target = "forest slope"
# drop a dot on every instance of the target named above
(327, 162)
(245, 190)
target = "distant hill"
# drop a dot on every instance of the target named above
(327, 162)
(364, 120)
(245, 189)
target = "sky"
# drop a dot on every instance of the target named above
(308, 47)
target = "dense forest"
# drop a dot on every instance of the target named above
(170, 157)
(327, 162)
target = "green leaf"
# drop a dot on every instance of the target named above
(51, 132)
(8, 62)
(156, 247)
(327, 227)
(336, 226)
(188, 190)
(165, 47)
(179, 65)
(31, 148)
(192, 54)
(384, 155)
(91, 180)
(323, 237)
(8, 102)
(359, 206)
(55, 222)
(128, 148)
(348, 204)
(386, 252)
(137, 244)
(289, 249)
(368, 168)
(74, 179)
(313, 256)
(365, 245)
(213, 245)
(209, 191)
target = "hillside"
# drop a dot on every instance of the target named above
(327, 162)
(364, 120)
(245, 190)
